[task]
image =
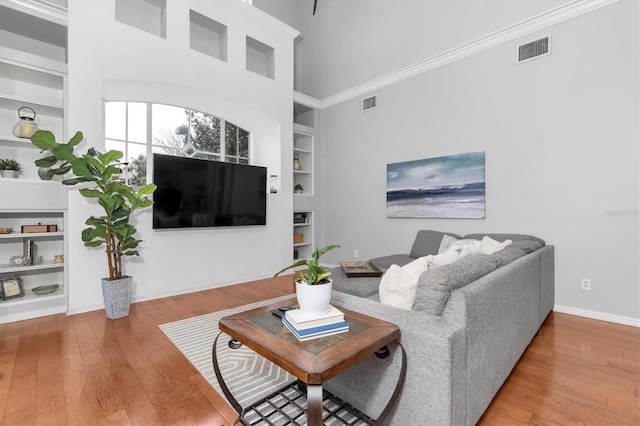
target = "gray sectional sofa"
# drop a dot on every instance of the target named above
(456, 360)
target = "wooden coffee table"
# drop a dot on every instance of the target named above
(315, 361)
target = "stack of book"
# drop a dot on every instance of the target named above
(306, 326)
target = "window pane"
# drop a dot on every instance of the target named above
(231, 139)
(137, 173)
(134, 150)
(115, 120)
(243, 161)
(243, 146)
(169, 126)
(116, 145)
(231, 159)
(205, 132)
(137, 122)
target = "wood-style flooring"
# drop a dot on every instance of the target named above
(88, 370)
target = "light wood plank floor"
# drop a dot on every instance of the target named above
(87, 370)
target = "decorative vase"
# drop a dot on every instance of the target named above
(314, 298)
(9, 173)
(117, 297)
(44, 174)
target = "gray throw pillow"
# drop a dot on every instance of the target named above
(502, 237)
(506, 255)
(435, 286)
(528, 246)
(428, 242)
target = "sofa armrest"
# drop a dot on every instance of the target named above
(434, 390)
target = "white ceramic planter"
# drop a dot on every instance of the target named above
(9, 173)
(314, 298)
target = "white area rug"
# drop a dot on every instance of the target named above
(248, 375)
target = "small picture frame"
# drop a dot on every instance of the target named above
(10, 288)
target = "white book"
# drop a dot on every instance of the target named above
(303, 320)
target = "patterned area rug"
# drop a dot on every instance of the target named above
(249, 376)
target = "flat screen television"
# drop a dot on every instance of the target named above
(203, 193)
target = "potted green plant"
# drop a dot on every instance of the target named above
(313, 286)
(119, 202)
(9, 168)
(298, 189)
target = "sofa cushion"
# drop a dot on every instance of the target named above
(384, 262)
(360, 286)
(528, 246)
(428, 242)
(506, 255)
(435, 286)
(502, 237)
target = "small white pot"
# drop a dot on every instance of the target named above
(9, 173)
(314, 298)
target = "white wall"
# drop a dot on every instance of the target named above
(561, 140)
(111, 60)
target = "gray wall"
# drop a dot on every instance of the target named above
(561, 140)
(560, 133)
(349, 42)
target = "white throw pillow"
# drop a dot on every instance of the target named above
(398, 288)
(416, 267)
(489, 245)
(446, 242)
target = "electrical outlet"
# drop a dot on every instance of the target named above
(355, 254)
(585, 284)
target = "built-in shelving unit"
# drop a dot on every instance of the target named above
(303, 229)
(33, 73)
(302, 159)
(47, 246)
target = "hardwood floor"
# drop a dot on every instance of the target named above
(86, 369)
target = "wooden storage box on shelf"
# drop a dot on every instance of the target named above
(298, 238)
(26, 229)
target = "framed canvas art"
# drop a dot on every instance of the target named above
(441, 187)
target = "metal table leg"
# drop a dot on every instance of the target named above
(314, 405)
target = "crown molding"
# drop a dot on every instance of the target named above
(306, 100)
(40, 9)
(538, 22)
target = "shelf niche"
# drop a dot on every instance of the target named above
(145, 15)
(208, 36)
(260, 58)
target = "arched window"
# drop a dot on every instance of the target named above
(139, 129)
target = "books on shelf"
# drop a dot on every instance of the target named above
(306, 326)
(321, 331)
(302, 320)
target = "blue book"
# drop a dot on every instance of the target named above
(320, 331)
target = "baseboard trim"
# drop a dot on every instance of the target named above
(33, 314)
(512, 32)
(618, 319)
(177, 292)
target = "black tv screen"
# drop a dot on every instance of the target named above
(202, 193)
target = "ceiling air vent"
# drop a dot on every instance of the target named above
(369, 103)
(534, 49)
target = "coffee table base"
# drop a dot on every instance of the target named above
(288, 406)
(299, 404)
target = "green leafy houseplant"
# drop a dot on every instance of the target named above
(314, 274)
(10, 164)
(119, 201)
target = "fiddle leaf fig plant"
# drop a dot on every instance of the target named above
(314, 274)
(119, 201)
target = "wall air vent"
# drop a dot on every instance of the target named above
(534, 49)
(369, 103)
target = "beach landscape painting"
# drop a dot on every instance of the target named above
(441, 187)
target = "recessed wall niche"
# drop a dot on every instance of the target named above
(208, 36)
(260, 58)
(146, 15)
